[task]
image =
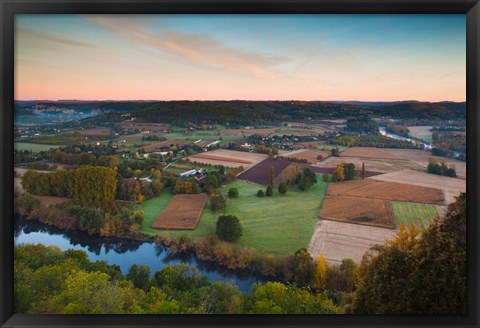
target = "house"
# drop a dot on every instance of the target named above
(188, 173)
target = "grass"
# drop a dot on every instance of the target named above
(278, 225)
(427, 138)
(151, 208)
(33, 147)
(417, 214)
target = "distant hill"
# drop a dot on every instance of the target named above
(232, 112)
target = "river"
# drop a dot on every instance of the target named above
(383, 131)
(125, 252)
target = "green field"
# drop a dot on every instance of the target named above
(151, 208)
(33, 146)
(427, 138)
(278, 225)
(417, 214)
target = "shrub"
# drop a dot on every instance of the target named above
(229, 228)
(269, 191)
(282, 188)
(233, 193)
(325, 177)
(260, 193)
(217, 202)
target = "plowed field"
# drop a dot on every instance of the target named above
(370, 188)
(182, 213)
(260, 173)
(374, 212)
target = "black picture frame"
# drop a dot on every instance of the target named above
(9, 8)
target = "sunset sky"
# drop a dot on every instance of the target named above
(251, 57)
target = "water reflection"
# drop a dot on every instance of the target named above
(125, 252)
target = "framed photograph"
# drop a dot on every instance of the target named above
(285, 164)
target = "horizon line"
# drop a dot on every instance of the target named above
(259, 100)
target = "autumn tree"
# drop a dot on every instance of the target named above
(289, 174)
(325, 177)
(271, 182)
(418, 273)
(339, 174)
(217, 202)
(319, 280)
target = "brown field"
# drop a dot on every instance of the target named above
(228, 158)
(359, 210)
(371, 188)
(339, 240)
(182, 213)
(420, 157)
(373, 165)
(368, 152)
(450, 186)
(260, 173)
(309, 155)
(51, 200)
(154, 127)
(95, 132)
(330, 170)
(248, 132)
(165, 143)
(419, 131)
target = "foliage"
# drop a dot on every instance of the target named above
(282, 188)
(319, 280)
(260, 193)
(271, 182)
(277, 298)
(229, 228)
(48, 280)
(269, 191)
(440, 169)
(87, 185)
(418, 274)
(217, 202)
(233, 193)
(306, 178)
(289, 174)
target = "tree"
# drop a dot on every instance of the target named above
(233, 193)
(271, 182)
(349, 171)
(418, 273)
(302, 267)
(269, 191)
(289, 174)
(319, 280)
(306, 178)
(260, 193)
(363, 170)
(139, 276)
(217, 202)
(229, 228)
(277, 298)
(325, 177)
(282, 188)
(339, 173)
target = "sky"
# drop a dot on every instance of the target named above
(241, 57)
